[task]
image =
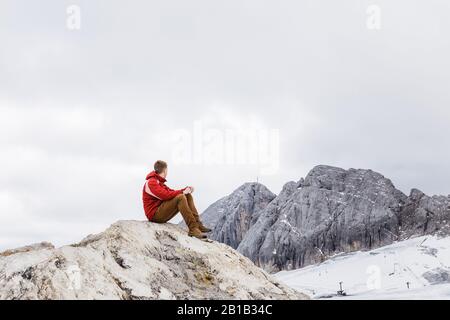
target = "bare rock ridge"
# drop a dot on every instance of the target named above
(332, 210)
(424, 214)
(136, 260)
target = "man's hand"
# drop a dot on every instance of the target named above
(192, 188)
(187, 190)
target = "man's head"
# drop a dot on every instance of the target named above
(161, 168)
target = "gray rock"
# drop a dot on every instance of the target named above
(260, 230)
(437, 276)
(423, 214)
(332, 210)
(233, 215)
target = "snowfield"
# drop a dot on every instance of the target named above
(422, 263)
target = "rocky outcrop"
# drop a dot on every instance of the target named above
(31, 247)
(423, 214)
(331, 210)
(261, 228)
(136, 260)
(233, 215)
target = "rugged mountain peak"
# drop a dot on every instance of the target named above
(233, 215)
(334, 178)
(329, 211)
(416, 194)
(323, 176)
(423, 214)
(332, 210)
(291, 186)
(136, 260)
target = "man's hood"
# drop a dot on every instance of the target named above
(153, 174)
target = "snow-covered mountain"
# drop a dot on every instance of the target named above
(136, 260)
(422, 264)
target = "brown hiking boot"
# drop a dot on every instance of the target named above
(195, 232)
(202, 228)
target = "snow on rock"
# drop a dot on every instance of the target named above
(136, 260)
(422, 263)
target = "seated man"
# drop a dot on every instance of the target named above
(162, 203)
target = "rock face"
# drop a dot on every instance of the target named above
(233, 215)
(252, 242)
(423, 214)
(136, 260)
(331, 210)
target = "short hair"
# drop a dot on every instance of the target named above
(160, 166)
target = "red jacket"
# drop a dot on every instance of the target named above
(155, 192)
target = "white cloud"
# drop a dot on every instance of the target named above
(81, 111)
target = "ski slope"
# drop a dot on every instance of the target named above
(422, 263)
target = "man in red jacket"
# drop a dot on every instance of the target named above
(162, 203)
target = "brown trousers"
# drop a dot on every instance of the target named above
(181, 203)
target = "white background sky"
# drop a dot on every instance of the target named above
(81, 111)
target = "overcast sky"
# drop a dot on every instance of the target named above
(84, 113)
